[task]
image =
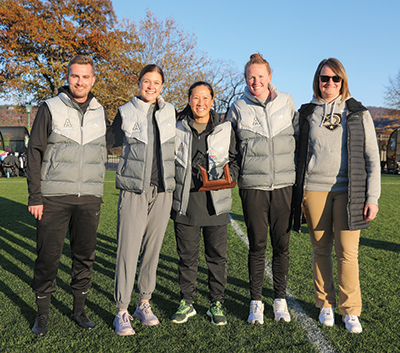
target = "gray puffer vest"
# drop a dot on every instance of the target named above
(74, 161)
(266, 140)
(134, 168)
(218, 155)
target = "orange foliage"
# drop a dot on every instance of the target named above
(38, 38)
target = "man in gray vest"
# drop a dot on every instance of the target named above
(65, 174)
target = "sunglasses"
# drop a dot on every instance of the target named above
(325, 78)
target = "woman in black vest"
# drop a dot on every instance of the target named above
(337, 187)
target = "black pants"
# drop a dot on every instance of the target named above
(262, 209)
(188, 246)
(82, 222)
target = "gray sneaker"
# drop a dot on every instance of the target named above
(183, 313)
(122, 324)
(144, 313)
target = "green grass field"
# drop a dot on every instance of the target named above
(379, 273)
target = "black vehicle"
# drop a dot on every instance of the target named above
(393, 153)
(14, 141)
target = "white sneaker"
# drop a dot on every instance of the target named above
(280, 310)
(327, 316)
(122, 323)
(352, 323)
(256, 315)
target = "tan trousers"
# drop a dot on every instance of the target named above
(326, 216)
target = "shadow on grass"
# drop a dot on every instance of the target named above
(25, 309)
(237, 217)
(15, 249)
(380, 244)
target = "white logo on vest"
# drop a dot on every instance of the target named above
(67, 124)
(256, 122)
(136, 127)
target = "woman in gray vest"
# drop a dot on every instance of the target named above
(337, 188)
(263, 119)
(145, 127)
(203, 139)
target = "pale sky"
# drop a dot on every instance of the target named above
(294, 36)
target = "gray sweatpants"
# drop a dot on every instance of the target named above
(142, 221)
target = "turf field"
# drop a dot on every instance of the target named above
(379, 273)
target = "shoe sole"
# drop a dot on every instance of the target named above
(351, 331)
(146, 323)
(212, 320)
(282, 320)
(256, 322)
(125, 333)
(193, 313)
(39, 334)
(329, 324)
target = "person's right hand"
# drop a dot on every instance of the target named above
(37, 211)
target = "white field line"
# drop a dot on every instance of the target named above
(307, 324)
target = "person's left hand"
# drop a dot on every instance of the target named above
(370, 211)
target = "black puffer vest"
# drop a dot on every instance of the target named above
(357, 174)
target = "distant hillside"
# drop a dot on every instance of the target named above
(10, 116)
(385, 120)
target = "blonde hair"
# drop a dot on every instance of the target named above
(259, 60)
(337, 67)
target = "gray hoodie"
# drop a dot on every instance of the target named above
(327, 167)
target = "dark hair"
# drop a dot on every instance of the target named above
(200, 83)
(151, 68)
(338, 68)
(259, 60)
(188, 109)
(81, 60)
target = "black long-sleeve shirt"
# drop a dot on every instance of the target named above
(37, 146)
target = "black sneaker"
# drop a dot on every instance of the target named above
(82, 320)
(183, 313)
(40, 326)
(216, 314)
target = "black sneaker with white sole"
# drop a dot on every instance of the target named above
(82, 320)
(41, 324)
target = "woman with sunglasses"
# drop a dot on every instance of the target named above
(337, 188)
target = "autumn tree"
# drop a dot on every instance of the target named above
(176, 52)
(392, 93)
(164, 43)
(228, 84)
(39, 37)
(117, 77)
